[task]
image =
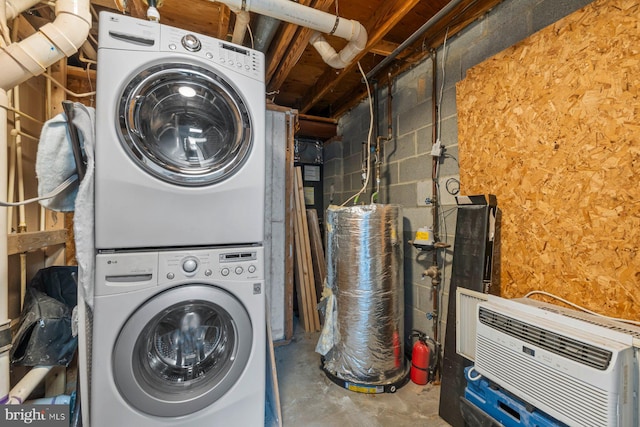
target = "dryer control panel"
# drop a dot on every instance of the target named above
(207, 264)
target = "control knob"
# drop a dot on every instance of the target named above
(191, 43)
(190, 265)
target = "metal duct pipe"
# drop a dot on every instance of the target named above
(308, 17)
(413, 37)
(266, 28)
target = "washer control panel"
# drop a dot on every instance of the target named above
(228, 55)
(224, 264)
(119, 31)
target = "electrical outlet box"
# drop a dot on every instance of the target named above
(436, 149)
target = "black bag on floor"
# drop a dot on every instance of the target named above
(44, 336)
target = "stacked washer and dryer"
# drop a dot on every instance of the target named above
(179, 307)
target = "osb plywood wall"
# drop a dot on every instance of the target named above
(552, 127)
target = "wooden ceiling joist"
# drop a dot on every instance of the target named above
(224, 16)
(280, 45)
(449, 25)
(295, 50)
(377, 27)
(293, 69)
(384, 48)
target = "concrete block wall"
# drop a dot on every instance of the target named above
(407, 171)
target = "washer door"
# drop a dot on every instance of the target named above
(184, 124)
(182, 350)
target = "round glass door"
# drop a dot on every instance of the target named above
(184, 124)
(182, 350)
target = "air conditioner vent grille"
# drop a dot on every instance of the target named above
(570, 348)
(590, 319)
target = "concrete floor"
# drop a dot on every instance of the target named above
(309, 398)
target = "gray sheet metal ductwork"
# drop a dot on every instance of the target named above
(365, 272)
(266, 28)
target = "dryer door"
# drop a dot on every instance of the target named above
(184, 124)
(182, 350)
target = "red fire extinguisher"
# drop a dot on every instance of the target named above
(421, 358)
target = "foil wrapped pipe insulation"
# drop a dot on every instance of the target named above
(364, 316)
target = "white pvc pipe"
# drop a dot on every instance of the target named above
(4, 40)
(4, 269)
(53, 41)
(317, 20)
(12, 178)
(16, 7)
(240, 28)
(346, 55)
(17, 125)
(27, 384)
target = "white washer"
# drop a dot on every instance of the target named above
(180, 138)
(179, 338)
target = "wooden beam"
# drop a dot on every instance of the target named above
(317, 119)
(384, 48)
(378, 26)
(317, 129)
(74, 72)
(137, 9)
(295, 50)
(224, 16)
(18, 243)
(280, 45)
(109, 4)
(26, 28)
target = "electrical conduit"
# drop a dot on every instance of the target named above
(19, 62)
(321, 22)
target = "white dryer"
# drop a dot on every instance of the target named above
(179, 339)
(180, 138)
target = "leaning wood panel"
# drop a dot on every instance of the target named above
(551, 126)
(317, 252)
(305, 250)
(299, 269)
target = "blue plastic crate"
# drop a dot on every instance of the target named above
(503, 406)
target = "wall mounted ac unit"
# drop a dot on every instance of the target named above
(467, 302)
(581, 369)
